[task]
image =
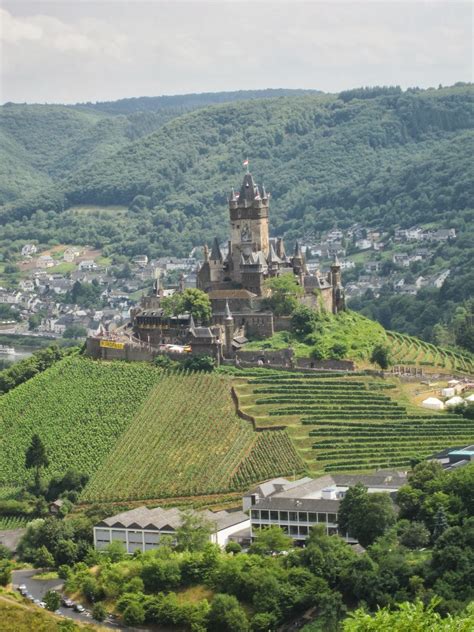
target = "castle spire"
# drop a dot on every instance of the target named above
(216, 254)
(298, 254)
(205, 251)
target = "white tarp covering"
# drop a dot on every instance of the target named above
(433, 403)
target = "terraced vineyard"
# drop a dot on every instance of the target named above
(12, 522)
(187, 440)
(348, 423)
(410, 350)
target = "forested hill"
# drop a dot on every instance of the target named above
(185, 102)
(376, 156)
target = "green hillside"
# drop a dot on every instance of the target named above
(137, 432)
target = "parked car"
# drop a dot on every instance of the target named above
(42, 604)
(79, 608)
(67, 603)
(22, 589)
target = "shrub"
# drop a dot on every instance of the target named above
(134, 614)
(52, 600)
(233, 547)
(381, 356)
(99, 613)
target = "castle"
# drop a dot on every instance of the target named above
(236, 283)
(238, 279)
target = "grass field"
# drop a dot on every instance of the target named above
(347, 423)
(18, 615)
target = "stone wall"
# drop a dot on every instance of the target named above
(329, 365)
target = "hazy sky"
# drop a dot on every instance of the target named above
(81, 50)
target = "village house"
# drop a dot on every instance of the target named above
(70, 254)
(45, 261)
(87, 264)
(28, 250)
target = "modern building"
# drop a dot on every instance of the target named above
(453, 458)
(296, 506)
(142, 529)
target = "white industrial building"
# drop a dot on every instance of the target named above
(296, 506)
(141, 529)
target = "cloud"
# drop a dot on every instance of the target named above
(76, 51)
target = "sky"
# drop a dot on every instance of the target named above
(70, 51)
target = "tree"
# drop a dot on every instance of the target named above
(52, 600)
(227, 615)
(5, 572)
(414, 535)
(36, 458)
(44, 558)
(115, 551)
(408, 617)
(440, 523)
(269, 540)
(194, 532)
(134, 614)
(285, 292)
(191, 301)
(365, 516)
(99, 613)
(381, 356)
(75, 331)
(303, 321)
(204, 363)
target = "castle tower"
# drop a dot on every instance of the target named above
(248, 212)
(228, 330)
(216, 263)
(338, 298)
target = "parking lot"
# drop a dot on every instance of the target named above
(37, 588)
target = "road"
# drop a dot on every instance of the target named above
(39, 587)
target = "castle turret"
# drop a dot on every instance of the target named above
(228, 330)
(216, 263)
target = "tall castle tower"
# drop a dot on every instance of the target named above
(248, 224)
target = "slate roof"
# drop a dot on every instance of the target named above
(158, 518)
(216, 253)
(299, 504)
(230, 293)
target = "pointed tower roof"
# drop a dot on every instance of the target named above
(191, 323)
(248, 190)
(216, 253)
(335, 263)
(227, 313)
(298, 254)
(272, 256)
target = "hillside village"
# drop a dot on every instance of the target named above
(34, 297)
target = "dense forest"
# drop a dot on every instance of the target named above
(161, 173)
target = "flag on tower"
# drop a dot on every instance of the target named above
(246, 162)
